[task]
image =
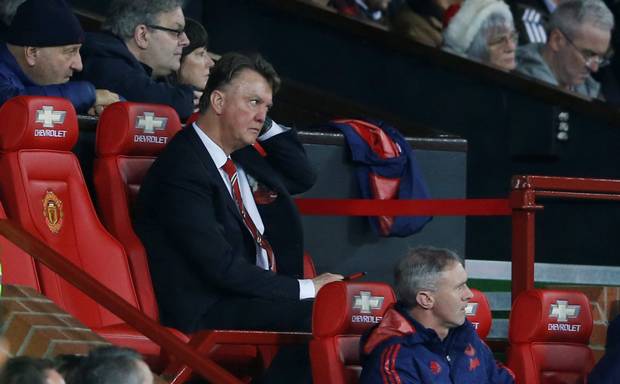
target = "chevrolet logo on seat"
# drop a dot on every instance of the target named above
(471, 309)
(149, 123)
(564, 311)
(48, 117)
(365, 302)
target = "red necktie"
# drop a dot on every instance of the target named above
(231, 170)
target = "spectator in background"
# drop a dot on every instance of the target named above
(113, 365)
(577, 46)
(40, 60)
(7, 11)
(28, 370)
(195, 60)
(483, 30)
(422, 20)
(425, 338)
(141, 45)
(370, 10)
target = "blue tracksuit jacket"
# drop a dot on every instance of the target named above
(401, 350)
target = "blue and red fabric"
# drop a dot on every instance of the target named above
(386, 170)
(401, 350)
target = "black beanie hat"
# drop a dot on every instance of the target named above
(44, 23)
(196, 34)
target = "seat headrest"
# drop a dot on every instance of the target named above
(550, 316)
(135, 129)
(478, 312)
(350, 307)
(38, 122)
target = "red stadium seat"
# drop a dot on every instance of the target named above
(549, 333)
(478, 312)
(44, 191)
(18, 267)
(129, 138)
(343, 311)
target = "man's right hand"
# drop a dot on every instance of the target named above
(324, 279)
(103, 98)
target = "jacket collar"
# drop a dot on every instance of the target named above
(210, 167)
(397, 322)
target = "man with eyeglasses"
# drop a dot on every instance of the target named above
(141, 44)
(578, 45)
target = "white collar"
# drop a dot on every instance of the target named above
(217, 153)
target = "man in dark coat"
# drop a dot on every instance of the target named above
(141, 45)
(215, 264)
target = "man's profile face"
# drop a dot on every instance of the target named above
(165, 47)
(55, 65)
(451, 296)
(587, 41)
(247, 98)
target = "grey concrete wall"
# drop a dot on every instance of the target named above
(347, 244)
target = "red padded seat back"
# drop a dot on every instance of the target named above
(18, 267)
(478, 312)
(129, 137)
(343, 311)
(44, 190)
(549, 333)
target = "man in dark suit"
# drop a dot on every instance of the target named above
(216, 263)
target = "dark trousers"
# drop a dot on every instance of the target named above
(292, 362)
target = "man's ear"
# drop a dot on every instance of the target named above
(141, 36)
(556, 40)
(217, 100)
(425, 299)
(31, 55)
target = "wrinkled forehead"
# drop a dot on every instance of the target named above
(249, 79)
(453, 274)
(592, 37)
(173, 18)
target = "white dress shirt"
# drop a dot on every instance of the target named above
(306, 286)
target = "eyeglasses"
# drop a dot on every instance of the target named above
(590, 57)
(176, 32)
(512, 37)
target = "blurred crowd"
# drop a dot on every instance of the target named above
(566, 43)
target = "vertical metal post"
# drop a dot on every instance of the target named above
(523, 203)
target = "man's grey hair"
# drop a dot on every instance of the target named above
(570, 15)
(125, 15)
(8, 9)
(420, 270)
(494, 25)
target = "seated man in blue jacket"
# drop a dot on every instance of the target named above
(41, 53)
(425, 338)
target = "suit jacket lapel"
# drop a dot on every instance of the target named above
(212, 172)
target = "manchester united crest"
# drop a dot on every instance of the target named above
(52, 211)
